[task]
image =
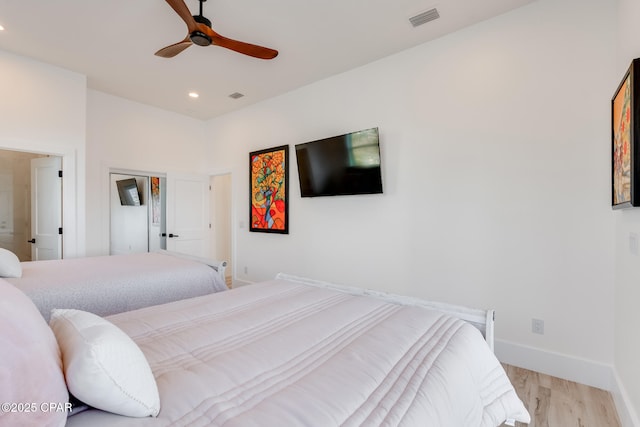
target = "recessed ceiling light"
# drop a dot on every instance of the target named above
(236, 95)
(193, 94)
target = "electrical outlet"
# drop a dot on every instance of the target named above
(537, 326)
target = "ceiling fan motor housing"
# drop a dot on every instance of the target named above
(198, 37)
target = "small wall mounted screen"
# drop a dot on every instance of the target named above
(128, 191)
(341, 165)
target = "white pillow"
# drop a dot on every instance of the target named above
(9, 264)
(103, 367)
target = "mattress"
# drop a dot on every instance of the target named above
(107, 285)
(281, 353)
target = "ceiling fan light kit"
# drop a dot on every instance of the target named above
(198, 37)
(199, 32)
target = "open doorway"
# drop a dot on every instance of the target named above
(220, 216)
(30, 211)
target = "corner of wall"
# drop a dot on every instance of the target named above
(626, 413)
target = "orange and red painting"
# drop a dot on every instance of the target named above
(155, 200)
(622, 144)
(269, 190)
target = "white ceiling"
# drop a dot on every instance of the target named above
(113, 43)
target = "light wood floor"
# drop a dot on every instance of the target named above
(553, 402)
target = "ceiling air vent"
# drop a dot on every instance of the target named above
(236, 95)
(424, 17)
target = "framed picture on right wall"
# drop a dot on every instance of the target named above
(269, 190)
(625, 148)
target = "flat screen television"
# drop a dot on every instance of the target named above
(341, 165)
(128, 192)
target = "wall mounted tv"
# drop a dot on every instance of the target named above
(128, 192)
(341, 165)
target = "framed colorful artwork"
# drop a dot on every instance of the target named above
(155, 200)
(269, 190)
(625, 151)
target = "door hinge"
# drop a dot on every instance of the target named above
(59, 174)
(60, 230)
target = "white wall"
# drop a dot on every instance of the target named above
(129, 136)
(496, 178)
(627, 277)
(43, 109)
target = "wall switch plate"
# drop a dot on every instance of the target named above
(633, 243)
(537, 326)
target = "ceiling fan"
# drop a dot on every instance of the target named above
(200, 33)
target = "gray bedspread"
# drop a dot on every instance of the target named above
(107, 285)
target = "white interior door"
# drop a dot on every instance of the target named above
(188, 214)
(46, 208)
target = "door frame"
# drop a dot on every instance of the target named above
(214, 230)
(73, 200)
(233, 214)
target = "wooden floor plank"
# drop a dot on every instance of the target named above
(554, 402)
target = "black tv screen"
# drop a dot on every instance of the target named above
(341, 165)
(128, 192)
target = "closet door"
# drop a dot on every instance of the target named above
(188, 214)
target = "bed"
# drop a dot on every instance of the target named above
(285, 352)
(107, 285)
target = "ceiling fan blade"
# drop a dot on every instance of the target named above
(174, 49)
(241, 47)
(183, 11)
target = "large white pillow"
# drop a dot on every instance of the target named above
(9, 264)
(103, 367)
(31, 379)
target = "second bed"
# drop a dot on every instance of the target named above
(106, 285)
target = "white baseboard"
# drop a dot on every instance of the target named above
(626, 413)
(589, 372)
